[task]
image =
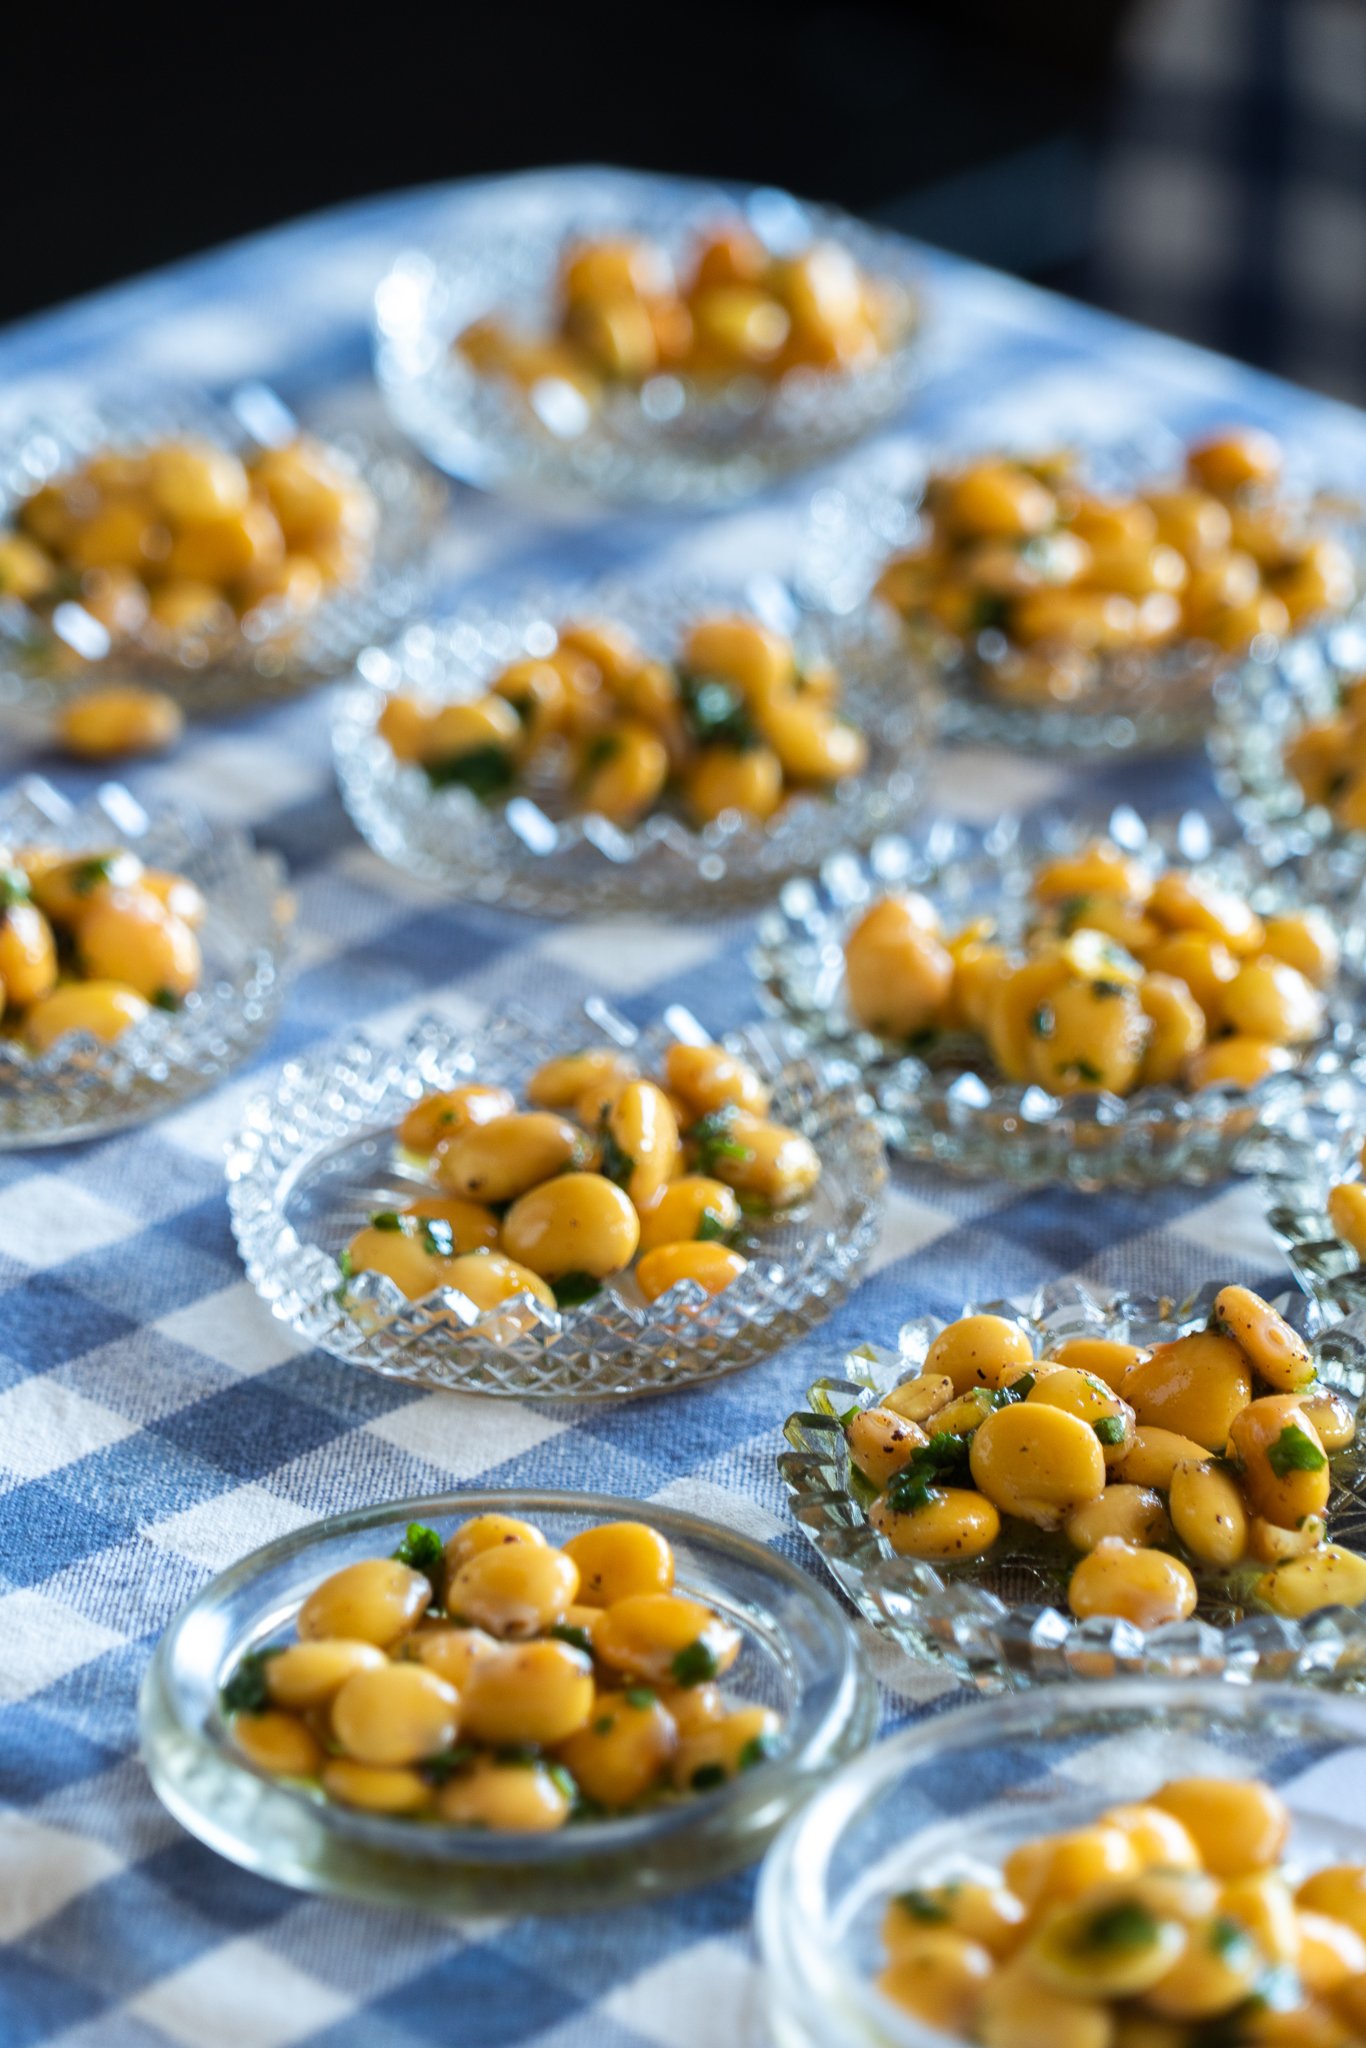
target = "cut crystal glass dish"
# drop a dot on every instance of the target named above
(1305, 1153)
(270, 655)
(1001, 1623)
(533, 851)
(1137, 702)
(1260, 707)
(800, 1657)
(317, 1157)
(671, 441)
(957, 1792)
(939, 1105)
(82, 1087)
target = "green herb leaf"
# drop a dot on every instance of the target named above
(945, 1456)
(716, 713)
(1041, 1023)
(1108, 988)
(166, 999)
(1228, 1937)
(1126, 1924)
(923, 1906)
(13, 887)
(707, 1777)
(711, 1229)
(600, 751)
(347, 1265)
(576, 1288)
(1110, 1429)
(563, 1780)
(421, 1551)
(613, 1163)
(714, 1139)
(88, 874)
(639, 1696)
(758, 1750)
(604, 1724)
(577, 1638)
(386, 1219)
(694, 1664)
(1083, 1070)
(244, 1691)
(438, 1239)
(1294, 1451)
(485, 771)
(989, 613)
(437, 1769)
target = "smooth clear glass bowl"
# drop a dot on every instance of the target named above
(83, 1088)
(1260, 710)
(1154, 702)
(277, 655)
(966, 1787)
(948, 1107)
(1001, 1623)
(318, 1156)
(799, 1656)
(670, 442)
(534, 851)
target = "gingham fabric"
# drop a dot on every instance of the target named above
(156, 1423)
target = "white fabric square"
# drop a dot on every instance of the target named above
(239, 1992)
(627, 957)
(464, 1435)
(724, 1504)
(44, 1639)
(235, 1327)
(45, 1868)
(1233, 1225)
(217, 1532)
(677, 2002)
(45, 1425)
(907, 1226)
(46, 1220)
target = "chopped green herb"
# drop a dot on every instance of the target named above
(438, 1239)
(1083, 1070)
(1228, 1937)
(1110, 1429)
(386, 1219)
(1294, 1451)
(244, 1692)
(1018, 1390)
(1041, 1023)
(604, 1724)
(614, 1163)
(758, 1750)
(88, 874)
(484, 771)
(1108, 988)
(421, 1551)
(1072, 913)
(944, 1457)
(166, 999)
(989, 613)
(600, 751)
(347, 1265)
(639, 1696)
(716, 712)
(577, 1638)
(707, 1777)
(694, 1664)
(573, 1289)
(923, 1906)
(563, 1781)
(1126, 1924)
(437, 1769)
(13, 887)
(712, 1134)
(710, 1228)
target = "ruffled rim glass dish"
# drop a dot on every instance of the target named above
(945, 1108)
(82, 1087)
(281, 655)
(799, 1656)
(964, 1788)
(1259, 710)
(670, 442)
(1306, 1151)
(1001, 1623)
(1150, 703)
(533, 851)
(317, 1158)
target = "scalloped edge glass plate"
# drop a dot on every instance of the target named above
(1259, 709)
(1154, 704)
(957, 1117)
(804, 1646)
(291, 656)
(353, 1093)
(82, 1088)
(518, 854)
(664, 445)
(1306, 1150)
(1006, 1640)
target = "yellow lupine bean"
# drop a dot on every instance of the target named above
(514, 1590)
(1105, 1358)
(1283, 1465)
(748, 781)
(1177, 1031)
(952, 1523)
(1199, 963)
(395, 1715)
(1333, 1418)
(1154, 1455)
(1073, 1949)
(621, 1754)
(449, 1111)
(497, 1161)
(402, 1255)
(1184, 901)
(1238, 1060)
(1347, 1214)
(695, 1206)
(625, 768)
(1051, 1870)
(1279, 1354)
(1160, 1840)
(1134, 1513)
(1088, 1034)
(739, 1739)
(1037, 1462)
(505, 1798)
(1271, 1000)
(450, 1652)
(538, 1692)
(1339, 1891)
(308, 1674)
(1225, 463)
(1017, 2011)
(402, 725)
(618, 1559)
(376, 1600)
(1121, 1580)
(1214, 1974)
(127, 936)
(1092, 1401)
(882, 1442)
(575, 1223)
(713, 1266)
(1208, 1513)
(1270, 1544)
(918, 1399)
(64, 889)
(473, 1227)
(775, 1165)
(562, 1082)
(645, 1131)
(120, 720)
(1261, 1901)
(103, 1009)
(1239, 1825)
(488, 1532)
(278, 1743)
(488, 1279)
(938, 1976)
(1195, 1386)
(1330, 1953)
(28, 955)
(898, 973)
(977, 1351)
(662, 1638)
(454, 732)
(740, 651)
(1016, 1001)
(1327, 1577)
(376, 1788)
(707, 1077)
(812, 744)
(1306, 940)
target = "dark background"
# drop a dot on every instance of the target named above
(137, 135)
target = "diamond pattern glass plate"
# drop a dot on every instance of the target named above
(534, 852)
(939, 1104)
(1305, 1152)
(671, 442)
(1001, 1623)
(81, 1087)
(279, 656)
(318, 1156)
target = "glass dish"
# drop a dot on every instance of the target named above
(941, 1109)
(973, 1783)
(279, 657)
(670, 442)
(1141, 703)
(533, 851)
(81, 1088)
(317, 1157)
(1304, 1154)
(1260, 707)
(800, 1657)
(1001, 1624)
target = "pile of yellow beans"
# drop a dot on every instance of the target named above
(735, 725)
(496, 1681)
(1165, 1922)
(624, 314)
(1125, 979)
(89, 941)
(1208, 1455)
(606, 1168)
(185, 538)
(1068, 576)
(1327, 758)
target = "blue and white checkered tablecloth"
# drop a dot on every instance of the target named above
(156, 1423)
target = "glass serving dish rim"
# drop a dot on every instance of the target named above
(570, 1843)
(795, 1943)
